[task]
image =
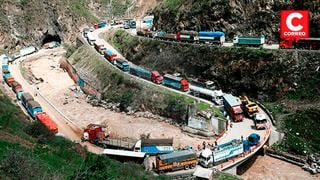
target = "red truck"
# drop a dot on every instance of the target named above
(302, 43)
(9, 80)
(99, 47)
(232, 105)
(109, 55)
(16, 87)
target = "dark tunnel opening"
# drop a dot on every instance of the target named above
(51, 38)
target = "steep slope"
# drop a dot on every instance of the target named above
(38, 21)
(231, 16)
(29, 151)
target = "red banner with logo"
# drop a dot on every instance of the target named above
(294, 24)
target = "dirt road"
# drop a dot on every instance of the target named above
(56, 87)
(266, 167)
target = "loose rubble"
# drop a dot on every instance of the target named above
(313, 165)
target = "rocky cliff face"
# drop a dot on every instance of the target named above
(252, 17)
(37, 21)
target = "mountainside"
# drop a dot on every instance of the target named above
(30, 151)
(38, 21)
(231, 16)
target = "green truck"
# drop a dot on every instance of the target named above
(249, 41)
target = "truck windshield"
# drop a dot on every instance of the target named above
(261, 121)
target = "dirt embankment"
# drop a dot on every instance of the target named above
(61, 92)
(263, 74)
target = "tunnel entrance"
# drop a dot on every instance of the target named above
(50, 38)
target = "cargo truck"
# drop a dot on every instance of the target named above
(257, 41)
(302, 43)
(9, 80)
(187, 36)
(175, 82)
(25, 98)
(154, 146)
(99, 47)
(232, 105)
(122, 64)
(96, 134)
(5, 67)
(19, 94)
(212, 37)
(28, 50)
(33, 108)
(91, 39)
(185, 159)
(16, 87)
(210, 157)
(109, 55)
(46, 120)
(211, 95)
(153, 76)
(248, 106)
(260, 121)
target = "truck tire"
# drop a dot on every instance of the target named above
(210, 165)
(186, 167)
(193, 166)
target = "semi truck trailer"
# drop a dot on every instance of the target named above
(153, 76)
(122, 64)
(232, 105)
(175, 82)
(216, 37)
(249, 41)
(185, 159)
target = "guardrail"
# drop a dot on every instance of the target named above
(268, 112)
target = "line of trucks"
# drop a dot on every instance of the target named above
(32, 107)
(217, 37)
(168, 159)
(235, 107)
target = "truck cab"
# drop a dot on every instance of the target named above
(260, 121)
(206, 158)
(218, 97)
(156, 77)
(248, 106)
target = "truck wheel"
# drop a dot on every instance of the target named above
(210, 165)
(193, 166)
(186, 167)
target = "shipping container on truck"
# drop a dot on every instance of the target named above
(153, 76)
(249, 41)
(232, 105)
(102, 24)
(46, 120)
(16, 87)
(109, 55)
(28, 50)
(155, 146)
(33, 107)
(187, 36)
(9, 80)
(25, 98)
(19, 94)
(302, 43)
(211, 37)
(185, 159)
(210, 157)
(122, 64)
(169, 37)
(211, 95)
(90, 38)
(175, 82)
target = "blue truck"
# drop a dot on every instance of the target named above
(33, 107)
(25, 98)
(122, 64)
(211, 37)
(210, 157)
(175, 82)
(154, 146)
(153, 76)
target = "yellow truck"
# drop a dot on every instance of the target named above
(249, 107)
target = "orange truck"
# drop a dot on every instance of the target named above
(248, 106)
(186, 159)
(46, 120)
(9, 80)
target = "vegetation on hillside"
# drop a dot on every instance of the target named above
(120, 88)
(29, 151)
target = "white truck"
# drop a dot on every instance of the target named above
(28, 50)
(210, 157)
(91, 39)
(212, 95)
